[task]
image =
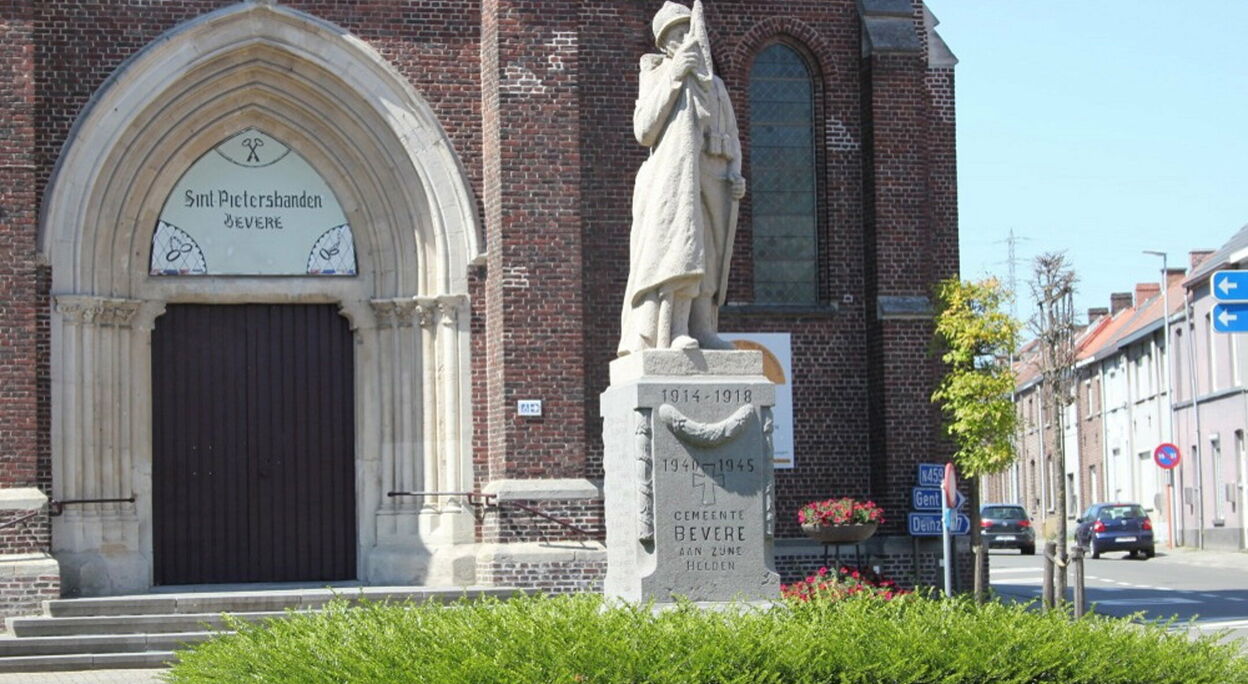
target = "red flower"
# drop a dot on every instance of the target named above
(842, 511)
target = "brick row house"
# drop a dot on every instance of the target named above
(273, 404)
(1129, 398)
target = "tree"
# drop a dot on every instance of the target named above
(1053, 286)
(977, 337)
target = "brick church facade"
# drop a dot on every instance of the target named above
(482, 154)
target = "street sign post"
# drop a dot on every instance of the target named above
(950, 500)
(1230, 286)
(1230, 317)
(1166, 455)
(936, 501)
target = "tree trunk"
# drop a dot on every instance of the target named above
(979, 555)
(1059, 484)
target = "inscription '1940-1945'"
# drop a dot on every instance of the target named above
(711, 541)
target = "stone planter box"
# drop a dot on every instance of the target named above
(840, 534)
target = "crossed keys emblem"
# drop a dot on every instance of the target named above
(706, 482)
(252, 144)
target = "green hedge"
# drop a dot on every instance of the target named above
(577, 639)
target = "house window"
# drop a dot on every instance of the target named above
(782, 169)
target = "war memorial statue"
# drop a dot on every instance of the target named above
(687, 419)
(686, 195)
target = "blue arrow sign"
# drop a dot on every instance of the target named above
(1230, 286)
(930, 498)
(929, 524)
(931, 474)
(926, 498)
(1230, 318)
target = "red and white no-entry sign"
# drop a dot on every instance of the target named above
(950, 486)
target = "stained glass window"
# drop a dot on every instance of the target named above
(782, 169)
(252, 206)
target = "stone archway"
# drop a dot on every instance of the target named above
(389, 163)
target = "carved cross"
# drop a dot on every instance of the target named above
(705, 478)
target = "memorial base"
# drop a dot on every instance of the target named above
(689, 485)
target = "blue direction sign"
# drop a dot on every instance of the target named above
(1230, 286)
(929, 524)
(931, 474)
(1230, 317)
(929, 498)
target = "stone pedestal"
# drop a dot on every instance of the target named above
(689, 488)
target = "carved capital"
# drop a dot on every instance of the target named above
(405, 311)
(448, 309)
(396, 312)
(426, 311)
(102, 311)
(384, 312)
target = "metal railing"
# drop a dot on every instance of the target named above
(23, 518)
(484, 500)
(57, 506)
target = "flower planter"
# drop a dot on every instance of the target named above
(840, 534)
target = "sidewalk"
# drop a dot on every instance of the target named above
(83, 677)
(1237, 560)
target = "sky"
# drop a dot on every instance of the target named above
(1099, 128)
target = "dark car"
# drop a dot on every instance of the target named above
(1006, 526)
(1116, 527)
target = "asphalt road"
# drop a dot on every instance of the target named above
(1207, 588)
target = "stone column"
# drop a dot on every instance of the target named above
(421, 342)
(400, 377)
(101, 439)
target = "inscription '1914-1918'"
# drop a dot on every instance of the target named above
(685, 395)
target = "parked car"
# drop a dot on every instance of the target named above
(1007, 526)
(1115, 527)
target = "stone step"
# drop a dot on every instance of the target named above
(21, 628)
(143, 631)
(86, 661)
(13, 647)
(255, 600)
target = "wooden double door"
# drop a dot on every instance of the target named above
(253, 444)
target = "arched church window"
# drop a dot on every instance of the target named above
(782, 169)
(252, 206)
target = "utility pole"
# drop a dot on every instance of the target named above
(1165, 303)
(1019, 439)
(1190, 314)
